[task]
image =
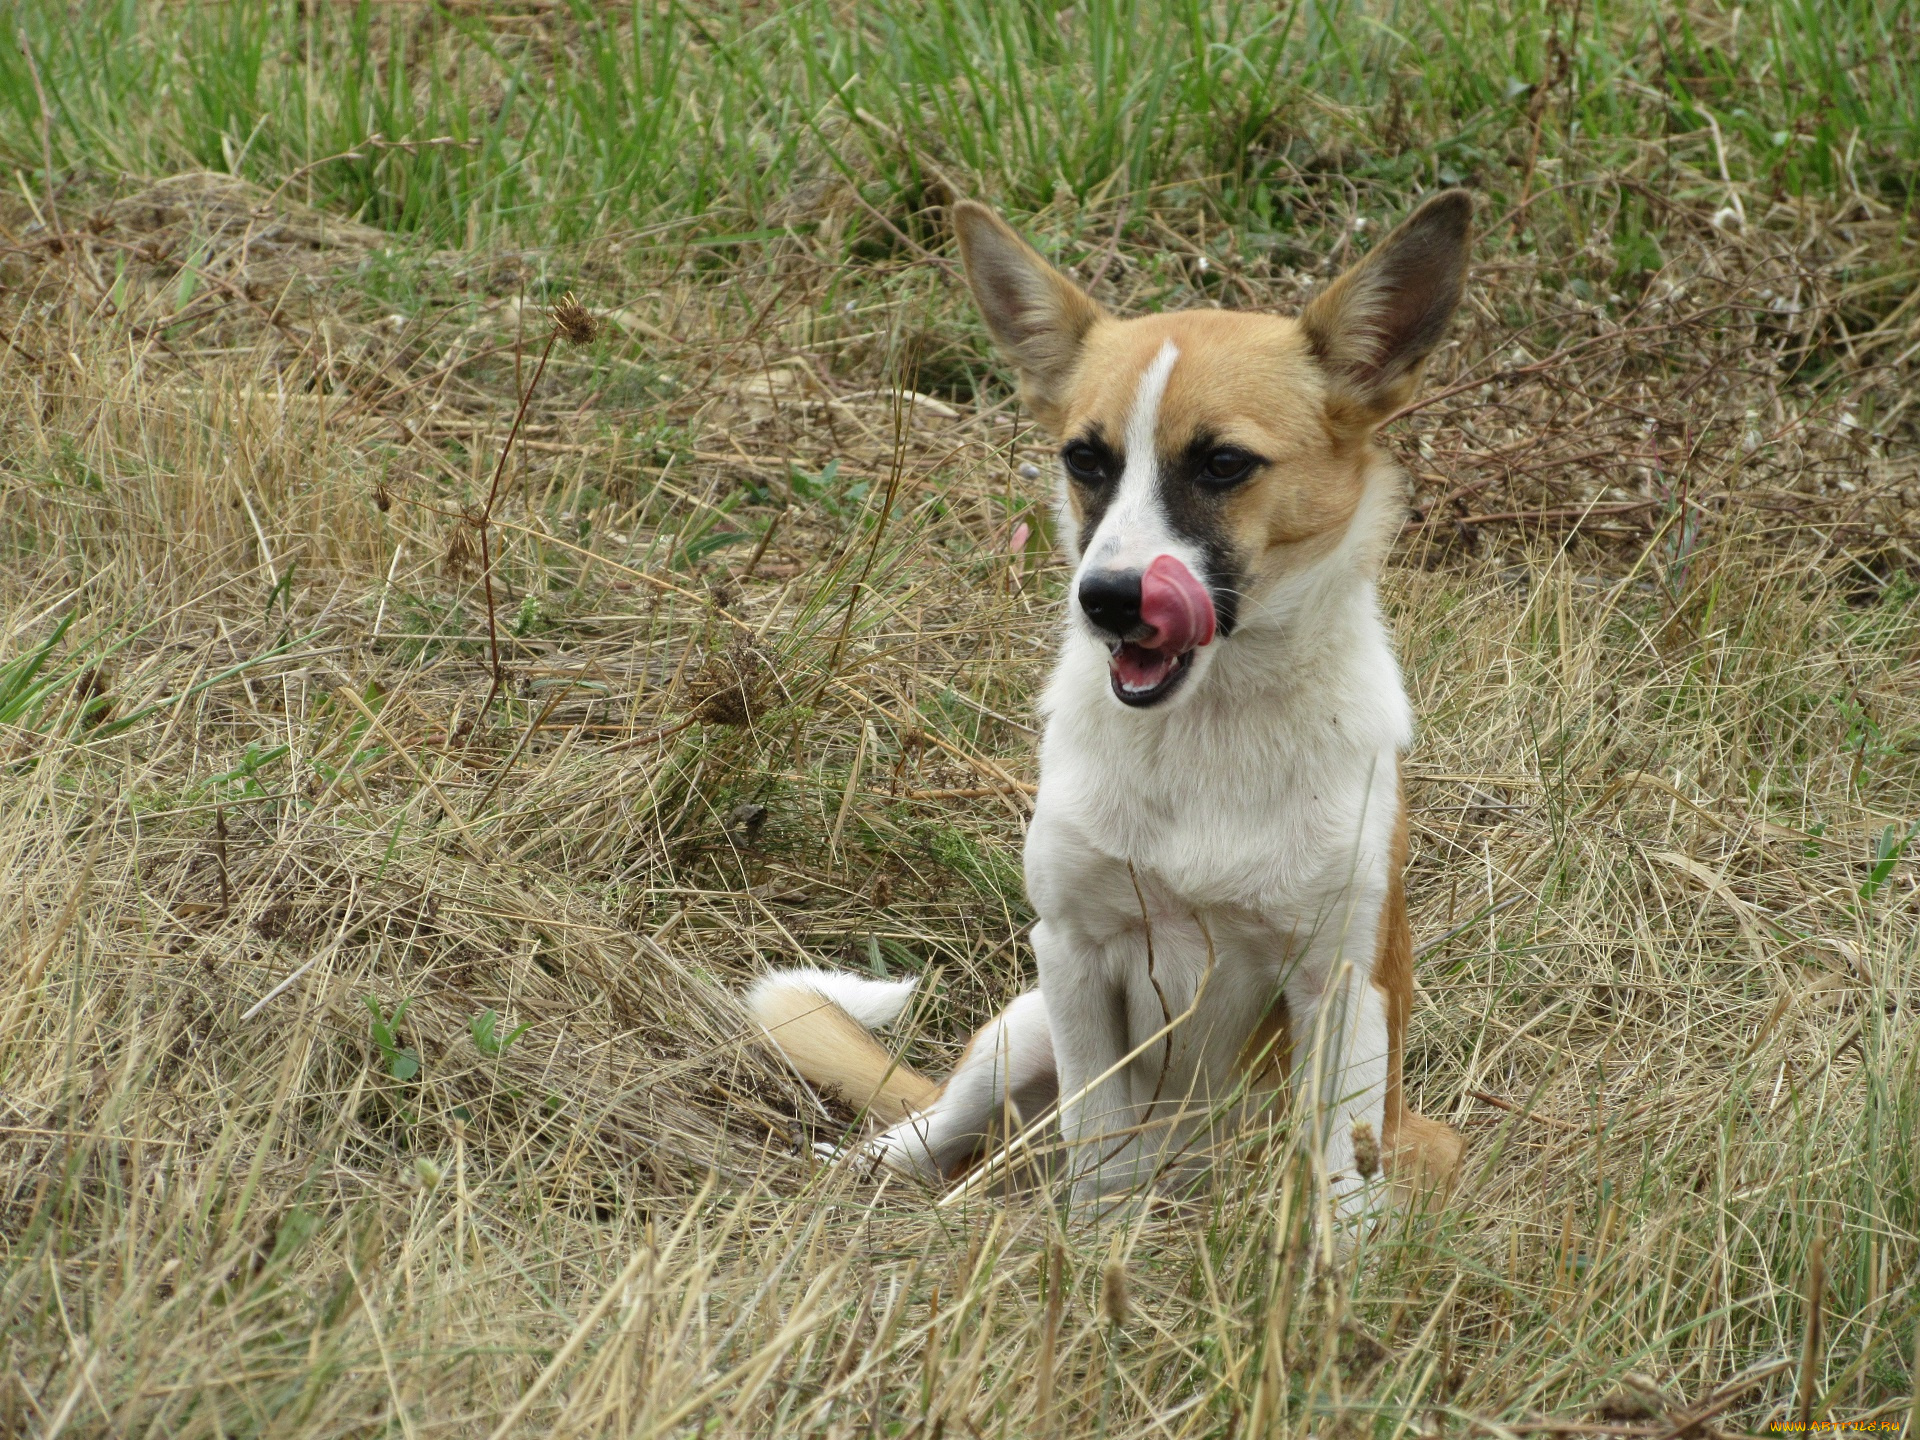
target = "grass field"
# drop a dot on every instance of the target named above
(390, 806)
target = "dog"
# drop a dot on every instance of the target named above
(1218, 839)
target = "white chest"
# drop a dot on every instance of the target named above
(1259, 802)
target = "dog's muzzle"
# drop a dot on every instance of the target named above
(1153, 621)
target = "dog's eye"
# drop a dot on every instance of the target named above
(1084, 462)
(1228, 466)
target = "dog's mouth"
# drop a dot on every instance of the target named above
(1144, 676)
(1176, 619)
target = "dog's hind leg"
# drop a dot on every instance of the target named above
(1006, 1076)
(1421, 1155)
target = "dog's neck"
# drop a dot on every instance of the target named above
(1311, 643)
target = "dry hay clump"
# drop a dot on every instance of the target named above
(770, 614)
(245, 224)
(222, 249)
(1689, 396)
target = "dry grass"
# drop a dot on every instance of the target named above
(1657, 610)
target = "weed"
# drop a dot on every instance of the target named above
(25, 688)
(490, 1044)
(402, 1061)
(1888, 848)
(245, 777)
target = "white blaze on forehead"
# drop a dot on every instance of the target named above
(1144, 420)
(1134, 530)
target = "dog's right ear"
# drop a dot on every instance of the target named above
(1037, 316)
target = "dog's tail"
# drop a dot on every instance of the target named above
(820, 1020)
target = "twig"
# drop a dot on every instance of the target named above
(484, 522)
(1557, 359)
(1523, 1112)
(571, 321)
(900, 410)
(760, 550)
(1559, 512)
(285, 985)
(653, 736)
(1690, 1420)
(18, 348)
(965, 792)
(1560, 65)
(220, 856)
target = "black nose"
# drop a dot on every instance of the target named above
(1111, 600)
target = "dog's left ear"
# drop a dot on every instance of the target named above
(1371, 329)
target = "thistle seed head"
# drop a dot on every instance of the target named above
(1366, 1150)
(572, 322)
(459, 557)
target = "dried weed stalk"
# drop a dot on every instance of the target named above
(572, 323)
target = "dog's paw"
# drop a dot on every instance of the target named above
(876, 1158)
(1358, 1207)
(866, 1160)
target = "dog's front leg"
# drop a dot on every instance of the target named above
(1340, 1045)
(1087, 1005)
(1006, 1074)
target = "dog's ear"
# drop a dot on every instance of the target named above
(1371, 329)
(1037, 316)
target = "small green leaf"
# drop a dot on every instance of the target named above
(482, 1027)
(707, 544)
(282, 590)
(486, 1037)
(1887, 851)
(402, 1063)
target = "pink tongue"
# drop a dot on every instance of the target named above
(1180, 611)
(1176, 605)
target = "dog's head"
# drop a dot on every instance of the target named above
(1209, 455)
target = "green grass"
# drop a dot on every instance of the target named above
(715, 123)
